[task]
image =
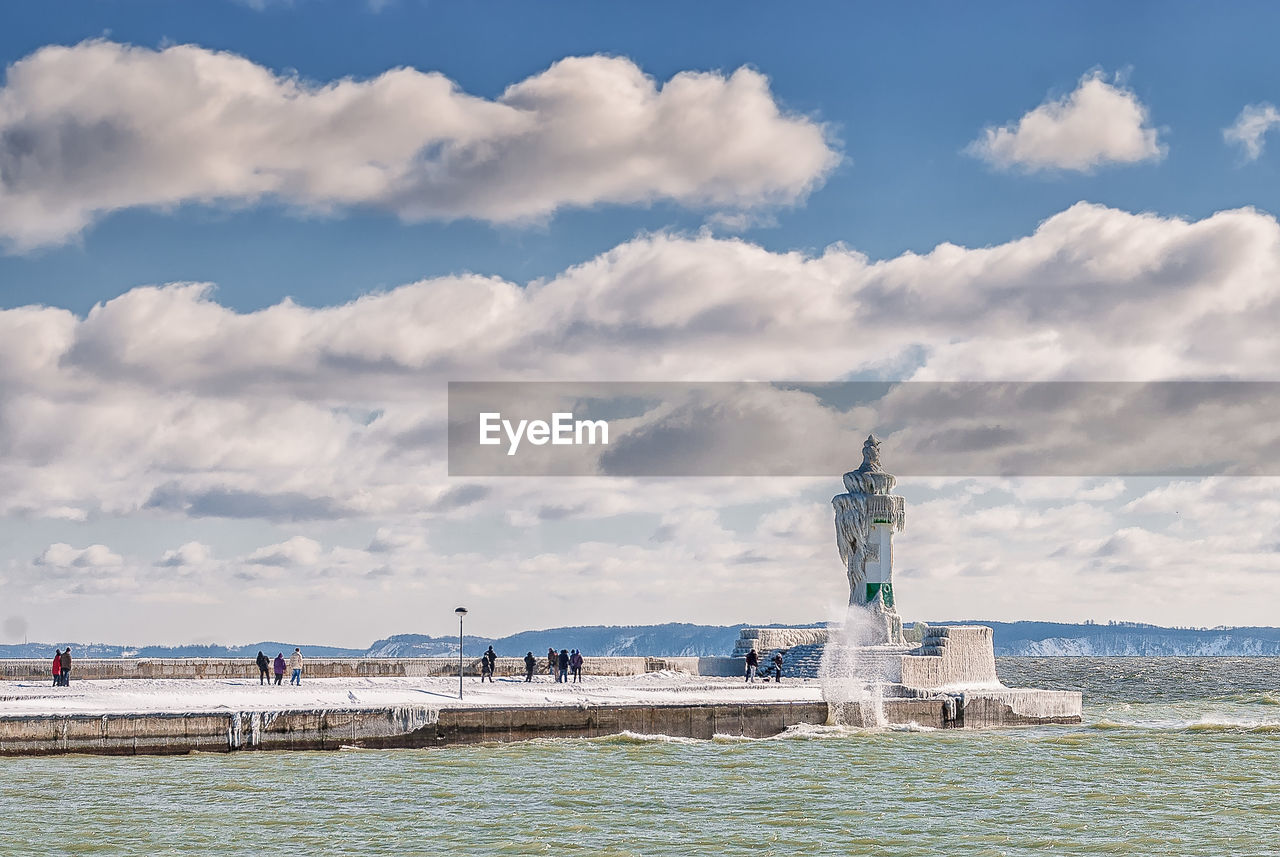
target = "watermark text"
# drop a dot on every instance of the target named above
(563, 430)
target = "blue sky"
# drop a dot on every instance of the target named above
(781, 209)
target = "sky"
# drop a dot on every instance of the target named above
(246, 246)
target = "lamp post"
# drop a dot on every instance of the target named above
(461, 611)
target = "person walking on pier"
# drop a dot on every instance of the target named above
(66, 667)
(563, 662)
(295, 664)
(530, 664)
(551, 661)
(575, 665)
(488, 663)
(279, 667)
(753, 664)
(57, 669)
(777, 667)
(264, 667)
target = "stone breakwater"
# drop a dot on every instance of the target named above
(400, 726)
(426, 726)
(948, 681)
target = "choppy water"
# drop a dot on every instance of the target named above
(1177, 756)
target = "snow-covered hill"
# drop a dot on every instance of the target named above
(680, 639)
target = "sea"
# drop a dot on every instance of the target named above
(1176, 756)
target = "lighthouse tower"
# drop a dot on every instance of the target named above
(867, 516)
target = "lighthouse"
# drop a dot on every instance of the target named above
(866, 517)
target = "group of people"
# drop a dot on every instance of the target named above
(62, 668)
(753, 666)
(266, 666)
(561, 665)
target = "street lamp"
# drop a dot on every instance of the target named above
(461, 611)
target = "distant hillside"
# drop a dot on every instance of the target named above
(422, 646)
(629, 640)
(108, 650)
(679, 639)
(658, 640)
(1124, 639)
(669, 640)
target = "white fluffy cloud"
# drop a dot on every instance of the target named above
(1099, 123)
(297, 551)
(1250, 127)
(63, 555)
(1078, 559)
(973, 548)
(100, 126)
(189, 554)
(321, 425)
(165, 401)
(389, 540)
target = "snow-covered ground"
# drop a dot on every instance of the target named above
(120, 696)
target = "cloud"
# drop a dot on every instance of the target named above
(297, 551)
(189, 554)
(162, 399)
(163, 404)
(1099, 123)
(61, 555)
(99, 127)
(1074, 558)
(390, 540)
(1250, 127)
(64, 573)
(460, 496)
(231, 503)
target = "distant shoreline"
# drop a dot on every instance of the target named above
(1012, 639)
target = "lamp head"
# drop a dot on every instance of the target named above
(461, 611)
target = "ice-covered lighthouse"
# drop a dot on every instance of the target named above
(867, 516)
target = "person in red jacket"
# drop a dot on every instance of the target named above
(57, 669)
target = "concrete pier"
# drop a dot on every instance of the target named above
(405, 726)
(424, 726)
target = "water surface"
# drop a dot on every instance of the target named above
(1177, 756)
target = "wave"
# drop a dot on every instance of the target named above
(808, 731)
(1203, 724)
(798, 732)
(628, 737)
(723, 738)
(911, 726)
(1103, 723)
(1262, 698)
(1233, 725)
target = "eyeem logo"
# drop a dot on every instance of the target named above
(563, 430)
